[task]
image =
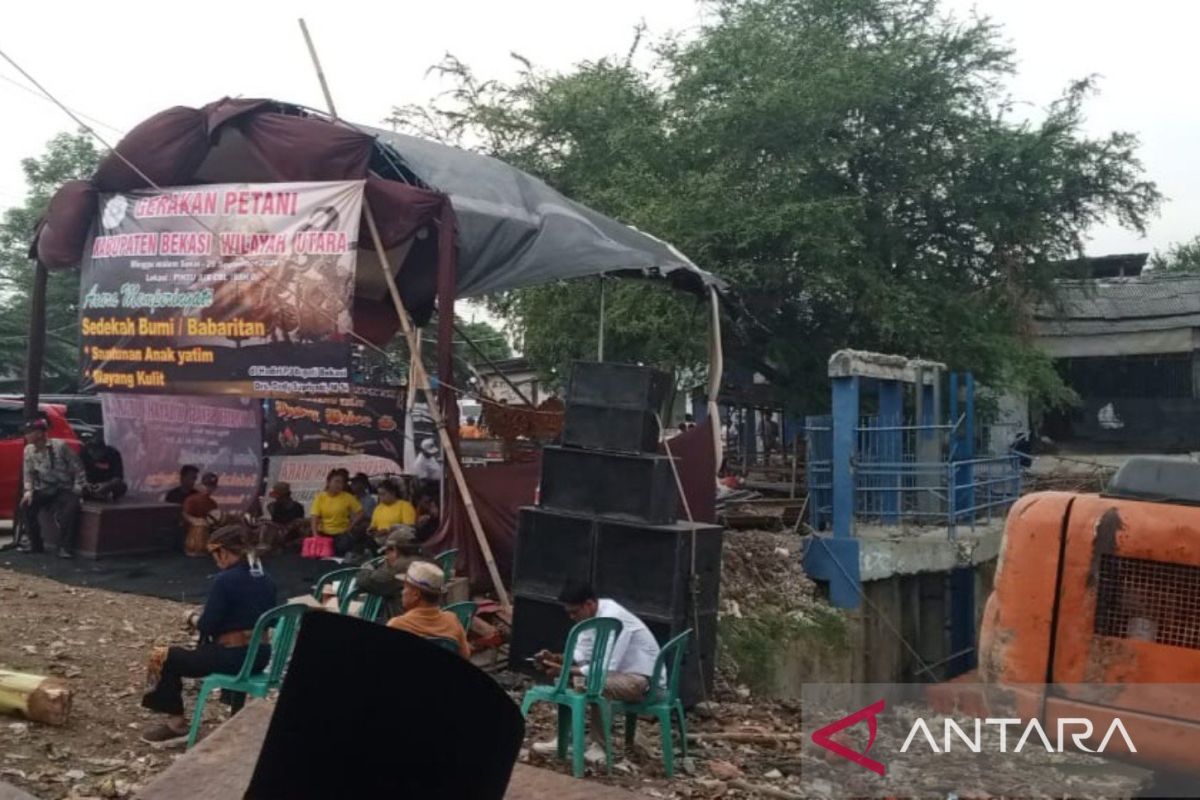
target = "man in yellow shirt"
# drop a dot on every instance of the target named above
(334, 512)
(424, 584)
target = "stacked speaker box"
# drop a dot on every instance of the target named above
(607, 515)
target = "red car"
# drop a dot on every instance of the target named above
(12, 447)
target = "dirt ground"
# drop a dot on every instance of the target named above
(98, 642)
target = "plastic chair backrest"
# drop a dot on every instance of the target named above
(447, 559)
(372, 604)
(285, 620)
(668, 661)
(377, 561)
(346, 578)
(465, 611)
(444, 642)
(605, 631)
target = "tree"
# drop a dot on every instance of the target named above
(68, 156)
(391, 365)
(848, 166)
(1180, 257)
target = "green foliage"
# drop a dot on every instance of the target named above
(753, 648)
(1180, 257)
(391, 366)
(849, 166)
(68, 156)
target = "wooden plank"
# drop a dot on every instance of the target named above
(221, 765)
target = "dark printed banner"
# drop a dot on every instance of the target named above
(157, 435)
(370, 421)
(224, 289)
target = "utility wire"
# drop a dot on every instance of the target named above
(43, 96)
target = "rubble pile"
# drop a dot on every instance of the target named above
(761, 568)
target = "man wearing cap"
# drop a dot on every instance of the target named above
(237, 597)
(400, 550)
(424, 585)
(54, 480)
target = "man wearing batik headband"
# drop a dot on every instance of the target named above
(240, 594)
(424, 585)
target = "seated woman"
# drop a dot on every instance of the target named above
(392, 510)
(335, 512)
(238, 597)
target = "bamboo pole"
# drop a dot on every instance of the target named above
(716, 369)
(422, 378)
(414, 348)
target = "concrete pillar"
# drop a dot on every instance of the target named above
(845, 440)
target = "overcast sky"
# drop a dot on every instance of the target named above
(119, 63)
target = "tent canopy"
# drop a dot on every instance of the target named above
(512, 229)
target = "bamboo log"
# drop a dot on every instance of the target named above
(35, 697)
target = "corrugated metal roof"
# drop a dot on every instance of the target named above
(1119, 305)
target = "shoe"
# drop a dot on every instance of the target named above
(65, 553)
(164, 736)
(594, 755)
(25, 547)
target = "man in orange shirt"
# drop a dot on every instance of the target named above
(424, 584)
(470, 430)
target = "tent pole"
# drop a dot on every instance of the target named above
(716, 369)
(503, 375)
(422, 380)
(600, 338)
(312, 52)
(35, 351)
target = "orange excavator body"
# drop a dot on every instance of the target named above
(1095, 613)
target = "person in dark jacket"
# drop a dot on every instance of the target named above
(240, 594)
(188, 475)
(400, 549)
(105, 471)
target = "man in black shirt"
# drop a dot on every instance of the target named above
(104, 470)
(187, 485)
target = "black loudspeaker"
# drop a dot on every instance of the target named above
(539, 623)
(618, 386)
(696, 682)
(646, 567)
(409, 730)
(551, 549)
(609, 428)
(634, 487)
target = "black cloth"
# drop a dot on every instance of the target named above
(286, 514)
(178, 495)
(167, 695)
(103, 466)
(236, 601)
(64, 505)
(462, 711)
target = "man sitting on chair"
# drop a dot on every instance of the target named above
(630, 662)
(400, 550)
(424, 584)
(240, 594)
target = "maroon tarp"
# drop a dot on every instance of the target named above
(255, 141)
(500, 490)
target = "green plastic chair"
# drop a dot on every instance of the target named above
(286, 622)
(447, 559)
(347, 580)
(372, 604)
(444, 642)
(660, 702)
(372, 563)
(465, 611)
(605, 631)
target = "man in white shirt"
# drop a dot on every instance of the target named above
(630, 661)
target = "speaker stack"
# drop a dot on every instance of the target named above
(607, 515)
